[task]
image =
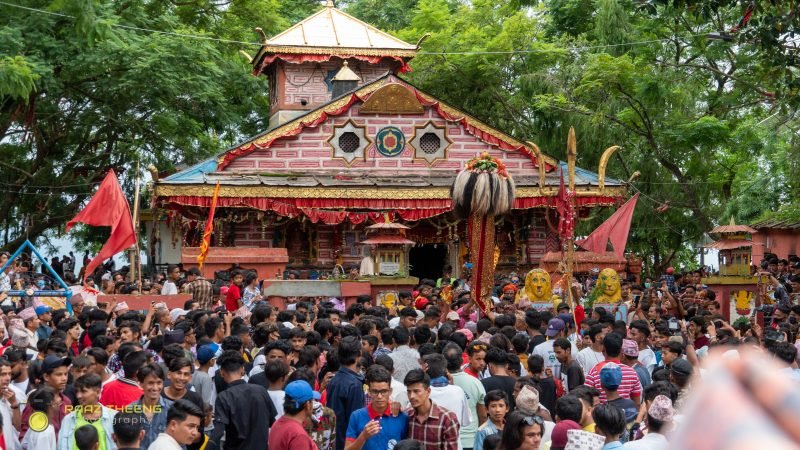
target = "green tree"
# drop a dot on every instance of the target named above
(81, 94)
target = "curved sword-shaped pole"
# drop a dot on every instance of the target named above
(540, 162)
(601, 169)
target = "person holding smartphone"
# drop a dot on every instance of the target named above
(374, 427)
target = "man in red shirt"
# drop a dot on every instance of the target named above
(630, 387)
(233, 299)
(123, 391)
(477, 359)
(298, 407)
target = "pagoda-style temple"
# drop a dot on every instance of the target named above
(351, 143)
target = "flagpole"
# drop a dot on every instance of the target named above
(572, 153)
(136, 261)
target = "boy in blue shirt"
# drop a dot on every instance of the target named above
(374, 427)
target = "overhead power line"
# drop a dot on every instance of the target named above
(259, 44)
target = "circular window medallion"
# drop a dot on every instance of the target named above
(390, 141)
(349, 142)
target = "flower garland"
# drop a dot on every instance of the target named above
(487, 163)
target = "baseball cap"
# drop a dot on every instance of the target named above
(176, 313)
(206, 353)
(559, 434)
(681, 367)
(42, 309)
(554, 327)
(121, 306)
(567, 318)
(611, 376)
(53, 362)
(562, 306)
(300, 392)
(670, 270)
(421, 302)
(452, 315)
(629, 348)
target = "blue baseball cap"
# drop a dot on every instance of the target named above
(207, 352)
(611, 376)
(42, 309)
(554, 327)
(300, 391)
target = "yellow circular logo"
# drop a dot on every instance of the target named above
(38, 421)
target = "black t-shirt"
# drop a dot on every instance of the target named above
(193, 397)
(503, 383)
(547, 394)
(627, 406)
(572, 375)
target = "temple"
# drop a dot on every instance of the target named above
(350, 144)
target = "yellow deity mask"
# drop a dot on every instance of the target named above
(608, 281)
(537, 285)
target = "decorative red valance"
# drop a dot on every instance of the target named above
(248, 148)
(295, 58)
(334, 211)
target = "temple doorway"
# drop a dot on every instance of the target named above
(427, 260)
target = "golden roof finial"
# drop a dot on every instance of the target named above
(346, 74)
(329, 3)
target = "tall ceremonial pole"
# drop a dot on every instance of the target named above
(135, 257)
(572, 154)
(480, 192)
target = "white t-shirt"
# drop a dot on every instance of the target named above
(22, 385)
(10, 434)
(545, 350)
(399, 394)
(40, 440)
(648, 359)
(277, 400)
(453, 398)
(169, 288)
(589, 358)
(22, 397)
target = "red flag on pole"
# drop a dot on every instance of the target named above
(108, 207)
(206, 243)
(615, 228)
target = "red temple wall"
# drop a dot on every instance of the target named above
(782, 243)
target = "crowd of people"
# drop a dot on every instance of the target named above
(229, 370)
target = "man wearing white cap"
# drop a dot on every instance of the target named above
(31, 321)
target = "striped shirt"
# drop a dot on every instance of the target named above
(629, 388)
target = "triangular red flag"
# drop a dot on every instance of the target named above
(108, 207)
(615, 229)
